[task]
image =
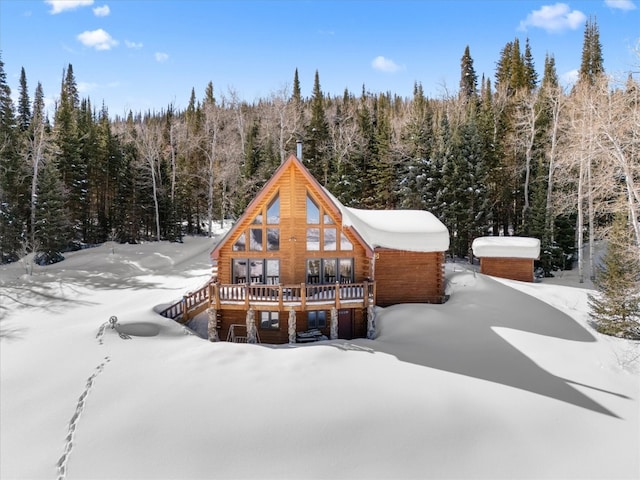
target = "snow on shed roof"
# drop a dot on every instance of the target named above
(506, 247)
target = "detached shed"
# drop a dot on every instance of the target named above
(507, 257)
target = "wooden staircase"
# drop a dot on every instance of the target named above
(190, 305)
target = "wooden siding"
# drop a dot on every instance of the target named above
(292, 187)
(511, 268)
(409, 277)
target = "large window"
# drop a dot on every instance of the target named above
(262, 236)
(330, 270)
(256, 271)
(273, 211)
(316, 319)
(322, 233)
(313, 212)
(269, 320)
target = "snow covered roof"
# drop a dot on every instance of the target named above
(506, 247)
(409, 230)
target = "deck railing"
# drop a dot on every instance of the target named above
(272, 297)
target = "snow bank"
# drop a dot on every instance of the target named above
(506, 247)
(493, 384)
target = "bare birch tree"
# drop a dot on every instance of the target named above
(148, 141)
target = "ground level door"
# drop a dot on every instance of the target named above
(345, 324)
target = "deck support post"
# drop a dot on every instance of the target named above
(251, 326)
(292, 326)
(371, 322)
(334, 324)
(212, 325)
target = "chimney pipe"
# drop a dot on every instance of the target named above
(299, 149)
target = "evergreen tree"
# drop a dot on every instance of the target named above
(52, 227)
(530, 75)
(11, 176)
(503, 68)
(317, 155)
(364, 153)
(69, 162)
(296, 96)
(420, 176)
(592, 63)
(550, 76)
(615, 309)
(24, 108)
(468, 77)
(382, 171)
(466, 209)
(487, 130)
(446, 195)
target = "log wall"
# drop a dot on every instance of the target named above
(512, 268)
(409, 277)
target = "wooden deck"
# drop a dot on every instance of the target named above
(300, 297)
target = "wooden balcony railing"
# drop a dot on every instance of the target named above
(300, 297)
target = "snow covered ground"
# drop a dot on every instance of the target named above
(506, 380)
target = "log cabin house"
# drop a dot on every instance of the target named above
(298, 260)
(507, 257)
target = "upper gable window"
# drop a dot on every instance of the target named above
(313, 212)
(240, 244)
(345, 244)
(273, 211)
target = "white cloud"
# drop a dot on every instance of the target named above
(385, 65)
(85, 87)
(98, 39)
(130, 44)
(58, 6)
(161, 57)
(102, 11)
(569, 78)
(620, 4)
(554, 18)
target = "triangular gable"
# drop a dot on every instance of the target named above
(334, 206)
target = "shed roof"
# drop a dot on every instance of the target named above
(506, 247)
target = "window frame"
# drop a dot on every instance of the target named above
(270, 320)
(314, 324)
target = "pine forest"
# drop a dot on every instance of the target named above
(514, 154)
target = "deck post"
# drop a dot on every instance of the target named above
(216, 295)
(292, 325)
(303, 296)
(338, 295)
(365, 293)
(185, 311)
(280, 295)
(251, 326)
(212, 325)
(333, 328)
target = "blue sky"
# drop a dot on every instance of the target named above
(144, 55)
